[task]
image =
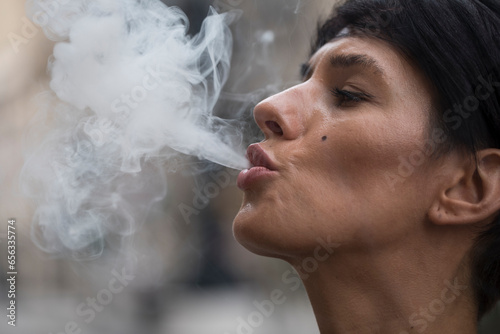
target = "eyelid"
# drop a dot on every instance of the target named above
(307, 71)
(354, 91)
(359, 93)
(346, 96)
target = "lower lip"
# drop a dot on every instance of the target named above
(251, 176)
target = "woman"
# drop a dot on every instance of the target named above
(388, 152)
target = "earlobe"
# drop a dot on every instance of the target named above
(473, 196)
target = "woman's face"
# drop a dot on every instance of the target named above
(339, 146)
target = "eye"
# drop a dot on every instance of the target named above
(345, 97)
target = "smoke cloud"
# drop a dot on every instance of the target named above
(131, 93)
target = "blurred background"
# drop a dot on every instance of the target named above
(191, 276)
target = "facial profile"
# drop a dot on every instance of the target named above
(332, 141)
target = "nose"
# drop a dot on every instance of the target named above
(279, 116)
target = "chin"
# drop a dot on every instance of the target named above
(251, 234)
(263, 236)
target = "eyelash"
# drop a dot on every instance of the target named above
(345, 96)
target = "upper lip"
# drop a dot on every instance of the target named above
(259, 158)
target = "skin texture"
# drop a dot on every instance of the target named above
(397, 245)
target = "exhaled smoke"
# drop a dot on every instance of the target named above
(130, 90)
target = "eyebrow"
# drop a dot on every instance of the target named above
(346, 61)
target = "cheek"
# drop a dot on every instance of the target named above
(352, 180)
(362, 152)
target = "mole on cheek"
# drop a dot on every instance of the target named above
(324, 138)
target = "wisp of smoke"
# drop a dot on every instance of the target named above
(130, 91)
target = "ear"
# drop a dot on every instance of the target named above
(473, 195)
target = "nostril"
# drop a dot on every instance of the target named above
(274, 127)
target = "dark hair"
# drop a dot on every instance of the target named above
(456, 44)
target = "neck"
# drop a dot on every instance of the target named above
(401, 292)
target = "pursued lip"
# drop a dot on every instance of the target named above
(259, 158)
